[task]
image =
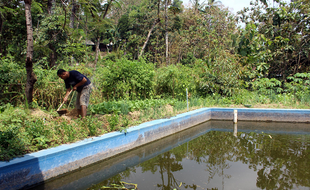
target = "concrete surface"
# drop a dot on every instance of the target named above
(46, 164)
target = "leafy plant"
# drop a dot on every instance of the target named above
(267, 86)
(10, 143)
(172, 81)
(125, 79)
(113, 120)
(91, 124)
(298, 85)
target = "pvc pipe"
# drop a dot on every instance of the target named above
(235, 116)
(187, 98)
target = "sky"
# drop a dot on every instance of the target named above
(234, 5)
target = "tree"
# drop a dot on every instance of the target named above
(99, 25)
(166, 32)
(156, 21)
(50, 6)
(281, 40)
(12, 38)
(213, 3)
(31, 77)
(73, 13)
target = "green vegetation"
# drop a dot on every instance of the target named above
(151, 52)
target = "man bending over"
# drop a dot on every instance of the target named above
(79, 82)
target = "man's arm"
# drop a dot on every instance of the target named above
(83, 81)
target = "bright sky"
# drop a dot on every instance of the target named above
(234, 5)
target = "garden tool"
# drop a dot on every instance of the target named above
(63, 111)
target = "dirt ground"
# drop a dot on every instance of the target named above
(135, 116)
(72, 114)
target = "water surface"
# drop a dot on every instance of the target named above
(213, 155)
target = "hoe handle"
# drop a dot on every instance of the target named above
(63, 102)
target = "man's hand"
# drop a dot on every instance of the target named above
(67, 94)
(80, 83)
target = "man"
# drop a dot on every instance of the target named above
(81, 84)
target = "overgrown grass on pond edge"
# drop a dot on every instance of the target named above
(22, 132)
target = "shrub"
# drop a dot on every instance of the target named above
(13, 77)
(219, 76)
(172, 81)
(125, 79)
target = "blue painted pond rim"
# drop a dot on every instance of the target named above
(49, 163)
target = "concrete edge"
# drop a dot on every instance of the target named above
(46, 164)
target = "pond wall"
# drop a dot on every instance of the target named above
(46, 164)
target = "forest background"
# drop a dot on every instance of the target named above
(144, 57)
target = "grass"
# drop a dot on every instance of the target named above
(24, 130)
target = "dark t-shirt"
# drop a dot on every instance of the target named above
(74, 78)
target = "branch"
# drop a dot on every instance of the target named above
(106, 11)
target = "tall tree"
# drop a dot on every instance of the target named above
(166, 32)
(31, 77)
(281, 41)
(53, 53)
(156, 21)
(73, 13)
(101, 26)
(12, 39)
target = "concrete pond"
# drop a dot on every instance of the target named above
(48, 164)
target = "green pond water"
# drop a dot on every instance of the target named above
(213, 155)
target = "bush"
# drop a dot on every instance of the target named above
(125, 79)
(13, 78)
(298, 85)
(219, 76)
(10, 144)
(172, 81)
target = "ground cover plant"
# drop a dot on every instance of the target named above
(28, 130)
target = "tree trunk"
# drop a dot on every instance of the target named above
(53, 53)
(97, 50)
(166, 32)
(150, 31)
(109, 4)
(148, 37)
(31, 78)
(73, 13)
(50, 6)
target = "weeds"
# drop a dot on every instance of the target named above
(91, 124)
(113, 121)
(10, 144)
(21, 133)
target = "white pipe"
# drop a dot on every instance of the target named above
(187, 98)
(235, 116)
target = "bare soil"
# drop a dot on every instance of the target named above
(135, 116)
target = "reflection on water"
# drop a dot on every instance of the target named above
(226, 160)
(213, 155)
